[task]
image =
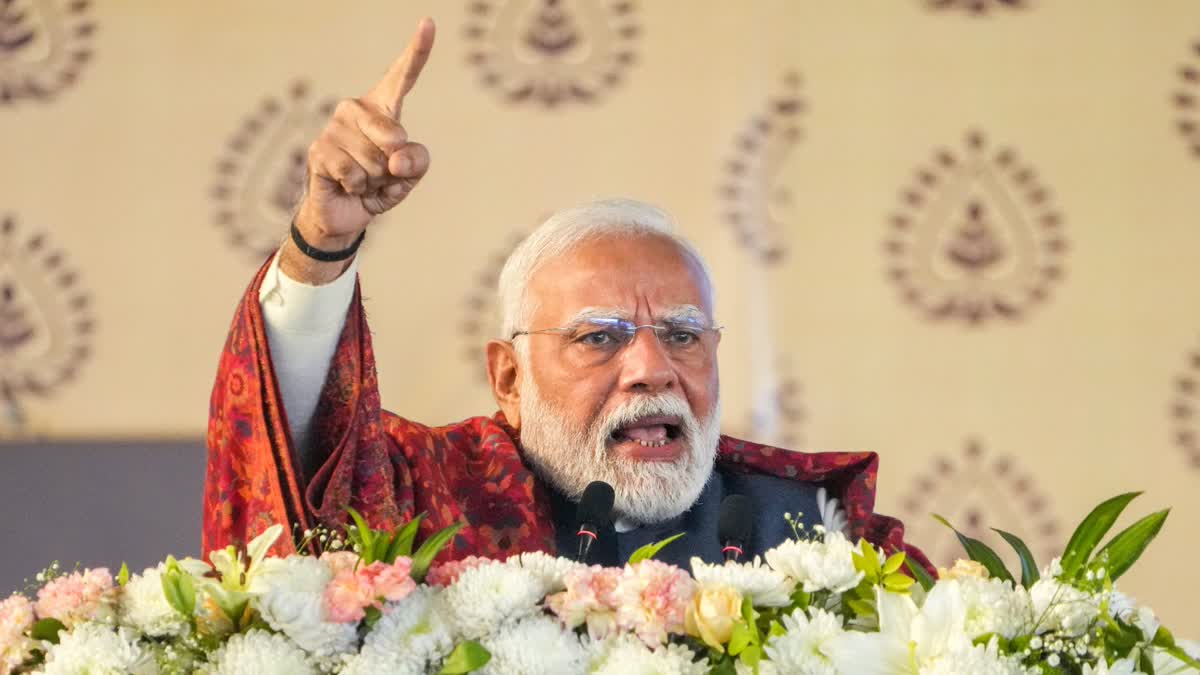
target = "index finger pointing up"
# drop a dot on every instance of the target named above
(389, 93)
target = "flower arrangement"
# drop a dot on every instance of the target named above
(819, 603)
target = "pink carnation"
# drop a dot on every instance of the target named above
(591, 597)
(16, 618)
(653, 599)
(77, 597)
(347, 596)
(390, 582)
(448, 573)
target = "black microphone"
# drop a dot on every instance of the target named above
(593, 515)
(734, 526)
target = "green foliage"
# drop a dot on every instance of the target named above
(980, 553)
(921, 574)
(429, 549)
(1123, 550)
(1093, 528)
(47, 629)
(650, 550)
(1029, 569)
(123, 575)
(466, 657)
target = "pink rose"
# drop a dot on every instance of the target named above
(77, 597)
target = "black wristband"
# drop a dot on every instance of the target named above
(325, 256)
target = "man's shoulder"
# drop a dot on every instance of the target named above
(736, 455)
(470, 434)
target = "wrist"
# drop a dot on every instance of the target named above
(318, 236)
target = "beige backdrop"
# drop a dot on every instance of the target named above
(961, 233)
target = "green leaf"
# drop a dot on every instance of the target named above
(47, 629)
(870, 560)
(429, 549)
(123, 575)
(893, 563)
(187, 592)
(372, 616)
(650, 550)
(172, 592)
(365, 536)
(1029, 570)
(1178, 653)
(1124, 549)
(752, 655)
(1089, 533)
(980, 553)
(740, 638)
(1163, 638)
(467, 656)
(921, 574)
(751, 617)
(860, 607)
(402, 543)
(898, 583)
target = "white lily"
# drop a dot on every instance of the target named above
(235, 587)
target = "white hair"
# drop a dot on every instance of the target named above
(569, 228)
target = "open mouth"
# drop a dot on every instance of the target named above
(650, 432)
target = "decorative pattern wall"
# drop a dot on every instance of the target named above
(961, 233)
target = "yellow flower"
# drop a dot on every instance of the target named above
(963, 569)
(712, 613)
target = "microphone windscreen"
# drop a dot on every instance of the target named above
(596, 504)
(736, 521)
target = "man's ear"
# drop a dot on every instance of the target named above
(504, 376)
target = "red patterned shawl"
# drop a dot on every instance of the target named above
(390, 468)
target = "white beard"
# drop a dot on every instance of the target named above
(646, 492)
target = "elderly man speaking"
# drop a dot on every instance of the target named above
(605, 370)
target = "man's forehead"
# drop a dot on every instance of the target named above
(634, 275)
(683, 312)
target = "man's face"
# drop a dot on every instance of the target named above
(640, 413)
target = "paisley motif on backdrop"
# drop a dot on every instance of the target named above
(551, 52)
(1185, 409)
(45, 322)
(262, 172)
(44, 45)
(976, 237)
(758, 201)
(975, 491)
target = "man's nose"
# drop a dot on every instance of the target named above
(645, 366)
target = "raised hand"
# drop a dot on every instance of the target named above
(363, 163)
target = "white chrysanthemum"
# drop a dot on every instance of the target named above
(532, 646)
(993, 606)
(974, 659)
(486, 597)
(98, 649)
(807, 647)
(1062, 607)
(259, 653)
(290, 596)
(817, 565)
(833, 516)
(144, 606)
(548, 569)
(767, 587)
(626, 655)
(412, 634)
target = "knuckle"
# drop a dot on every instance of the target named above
(346, 108)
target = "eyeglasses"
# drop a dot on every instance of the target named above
(595, 340)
